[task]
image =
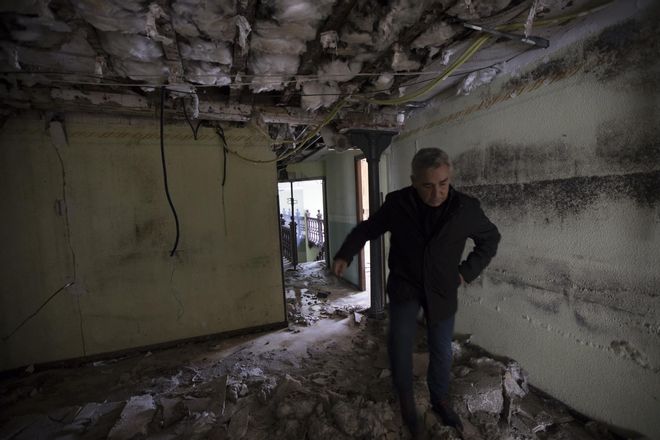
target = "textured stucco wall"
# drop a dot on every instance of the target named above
(566, 160)
(128, 291)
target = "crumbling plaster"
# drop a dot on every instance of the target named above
(127, 291)
(565, 159)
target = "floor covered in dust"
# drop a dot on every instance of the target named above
(325, 377)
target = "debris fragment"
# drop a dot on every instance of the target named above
(238, 425)
(134, 419)
(329, 40)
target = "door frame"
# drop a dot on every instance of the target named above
(324, 190)
(362, 277)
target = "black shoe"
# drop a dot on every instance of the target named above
(447, 414)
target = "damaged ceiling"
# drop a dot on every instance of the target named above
(303, 71)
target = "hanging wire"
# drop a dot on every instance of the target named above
(162, 157)
(325, 122)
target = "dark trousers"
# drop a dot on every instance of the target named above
(401, 342)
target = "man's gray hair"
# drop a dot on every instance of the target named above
(429, 158)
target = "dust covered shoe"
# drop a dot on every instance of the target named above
(447, 414)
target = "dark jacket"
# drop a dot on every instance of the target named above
(427, 266)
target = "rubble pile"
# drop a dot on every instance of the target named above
(312, 293)
(336, 386)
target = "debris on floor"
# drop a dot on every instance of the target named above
(331, 380)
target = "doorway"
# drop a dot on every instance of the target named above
(303, 228)
(362, 188)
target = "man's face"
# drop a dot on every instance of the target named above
(432, 185)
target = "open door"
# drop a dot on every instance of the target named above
(303, 228)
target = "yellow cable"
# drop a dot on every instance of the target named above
(325, 122)
(475, 47)
(455, 65)
(478, 43)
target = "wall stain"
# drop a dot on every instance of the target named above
(633, 143)
(631, 45)
(259, 262)
(581, 321)
(625, 350)
(549, 287)
(501, 162)
(620, 349)
(563, 198)
(546, 73)
(150, 231)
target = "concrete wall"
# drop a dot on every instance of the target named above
(342, 204)
(97, 215)
(306, 170)
(566, 161)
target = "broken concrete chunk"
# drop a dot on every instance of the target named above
(233, 390)
(481, 391)
(287, 386)
(134, 419)
(299, 408)
(375, 418)
(197, 404)
(98, 418)
(322, 429)
(323, 294)
(266, 390)
(346, 418)
(200, 426)
(173, 410)
(238, 425)
(64, 415)
(542, 421)
(515, 381)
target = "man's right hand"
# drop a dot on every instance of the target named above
(338, 266)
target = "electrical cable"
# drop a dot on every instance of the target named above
(162, 157)
(475, 47)
(199, 123)
(73, 263)
(33, 314)
(325, 122)
(221, 133)
(465, 56)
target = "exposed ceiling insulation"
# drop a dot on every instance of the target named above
(293, 66)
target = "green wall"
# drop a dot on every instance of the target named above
(97, 216)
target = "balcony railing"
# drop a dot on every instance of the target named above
(312, 233)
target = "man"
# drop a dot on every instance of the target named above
(429, 223)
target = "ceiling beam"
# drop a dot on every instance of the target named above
(70, 99)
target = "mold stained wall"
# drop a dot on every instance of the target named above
(128, 292)
(565, 159)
